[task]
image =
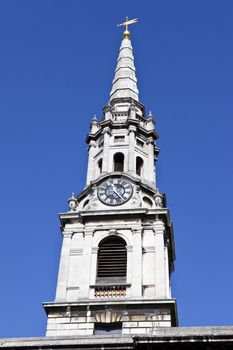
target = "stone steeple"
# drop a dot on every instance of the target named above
(118, 251)
(124, 84)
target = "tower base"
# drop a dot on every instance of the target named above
(114, 317)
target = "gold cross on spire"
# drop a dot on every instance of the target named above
(127, 22)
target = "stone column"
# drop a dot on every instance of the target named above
(150, 176)
(63, 272)
(131, 161)
(160, 265)
(106, 132)
(85, 269)
(91, 165)
(137, 264)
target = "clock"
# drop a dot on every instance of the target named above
(115, 191)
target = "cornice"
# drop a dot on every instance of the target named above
(113, 125)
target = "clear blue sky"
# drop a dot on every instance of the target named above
(56, 66)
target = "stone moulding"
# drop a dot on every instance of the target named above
(204, 338)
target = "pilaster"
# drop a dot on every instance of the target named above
(137, 264)
(131, 159)
(85, 269)
(167, 276)
(129, 264)
(160, 266)
(63, 267)
(151, 161)
(93, 265)
(148, 263)
(91, 165)
(106, 132)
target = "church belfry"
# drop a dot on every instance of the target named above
(118, 250)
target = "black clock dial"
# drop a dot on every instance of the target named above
(115, 191)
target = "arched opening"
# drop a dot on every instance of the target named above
(147, 202)
(139, 165)
(118, 162)
(100, 165)
(112, 260)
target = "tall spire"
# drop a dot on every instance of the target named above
(124, 84)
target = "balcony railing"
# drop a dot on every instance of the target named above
(110, 291)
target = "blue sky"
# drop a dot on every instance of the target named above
(57, 60)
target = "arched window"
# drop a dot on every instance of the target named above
(118, 161)
(100, 165)
(112, 260)
(139, 165)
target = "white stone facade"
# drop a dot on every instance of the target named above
(147, 265)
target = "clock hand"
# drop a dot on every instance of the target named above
(115, 191)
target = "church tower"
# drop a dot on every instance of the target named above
(118, 250)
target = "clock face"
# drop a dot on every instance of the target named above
(115, 191)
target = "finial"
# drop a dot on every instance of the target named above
(72, 201)
(150, 116)
(127, 22)
(150, 121)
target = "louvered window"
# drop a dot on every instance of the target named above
(112, 260)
